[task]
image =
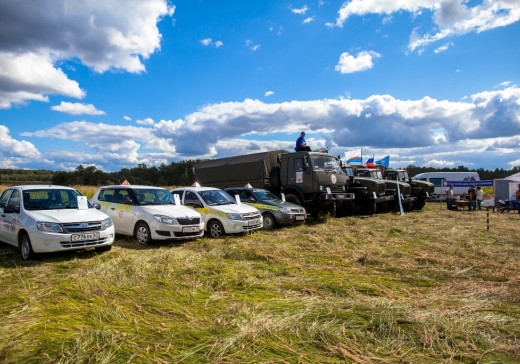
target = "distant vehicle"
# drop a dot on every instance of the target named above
(420, 189)
(148, 213)
(221, 214)
(438, 179)
(46, 218)
(273, 209)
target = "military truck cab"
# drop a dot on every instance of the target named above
(422, 190)
(370, 194)
(392, 187)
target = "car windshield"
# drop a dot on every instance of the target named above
(264, 195)
(348, 171)
(216, 197)
(403, 175)
(376, 174)
(51, 199)
(154, 196)
(324, 163)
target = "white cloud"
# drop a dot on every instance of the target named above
(361, 62)
(308, 20)
(443, 47)
(15, 151)
(218, 44)
(147, 121)
(452, 17)
(269, 93)
(206, 41)
(103, 35)
(127, 118)
(301, 10)
(77, 109)
(255, 47)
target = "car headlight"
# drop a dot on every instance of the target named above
(234, 216)
(49, 226)
(285, 210)
(165, 219)
(105, 224)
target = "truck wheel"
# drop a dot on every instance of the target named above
(349, 208)
(215, 229)
(420, 204)
(332, 209)
(292, 198)
(371, 208)
(269, 221)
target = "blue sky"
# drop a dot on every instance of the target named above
(114, 84)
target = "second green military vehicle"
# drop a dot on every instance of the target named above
(422, 190)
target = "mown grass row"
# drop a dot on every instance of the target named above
(429, 286)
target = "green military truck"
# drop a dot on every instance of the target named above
(420, 189)
(309, 179)
(370, 194)
(407, 200)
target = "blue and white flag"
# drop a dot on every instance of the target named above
(354, 156)
(383, 162)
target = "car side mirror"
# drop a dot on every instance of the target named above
(127, 201)
(9, 209)
(96, 206)
(194, 204)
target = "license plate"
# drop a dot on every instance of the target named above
(254, 222)
(191, 229)
(300, 217)
(86, 236)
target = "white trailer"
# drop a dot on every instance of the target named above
(439, 180)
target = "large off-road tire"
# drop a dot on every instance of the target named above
(274, 179)
(370, 208)
(142, 233)
(349, 208)
(269, 221)
(26, 250)
(215, 229)
(419, 204)
(331, 209)
(292, 198)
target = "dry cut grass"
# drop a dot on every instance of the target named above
(429, 286)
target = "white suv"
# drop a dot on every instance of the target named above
(220, 211)
(148, 213)
(40, 219)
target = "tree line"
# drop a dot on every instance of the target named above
(173, 174)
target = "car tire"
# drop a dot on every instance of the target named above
(104, 248)
(269, 221)
(143, 234)
(215, 229)
(26, 250)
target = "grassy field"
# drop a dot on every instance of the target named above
(432, 286)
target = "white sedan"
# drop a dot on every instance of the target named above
(43, 218)
(148, 213)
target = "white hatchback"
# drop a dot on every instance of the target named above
(40, 219)
(148, 213)
(220, 211)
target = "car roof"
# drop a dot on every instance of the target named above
(196, 189)
(244, 189)
(134, 187)
(43, 187)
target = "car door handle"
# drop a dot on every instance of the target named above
(293, 179)
(112, 208)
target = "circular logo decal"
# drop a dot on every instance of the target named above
(120, 214)
(333, 179)
(13, 225)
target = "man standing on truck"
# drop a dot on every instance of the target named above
(301, 145)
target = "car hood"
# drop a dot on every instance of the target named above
(233, 209)
(289, 205)
(67, 215)
(169, 210)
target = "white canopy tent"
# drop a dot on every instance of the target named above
(506, 187)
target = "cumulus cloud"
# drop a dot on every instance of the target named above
(147, 121)
(77, 108)
(127, 118)
(302, 10)
(206, 41)
(451, 17)
(14, 151)
(361, 62)
(103, 35)
(308, 20)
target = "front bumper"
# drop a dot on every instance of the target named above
(47, 242)
(240, 226)
(176, 232)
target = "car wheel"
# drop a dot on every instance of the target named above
(215, 229)
(26, 250)
(269, 222)
(142, 233)
(104, 248)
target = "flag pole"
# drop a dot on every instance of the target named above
(361, 156)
